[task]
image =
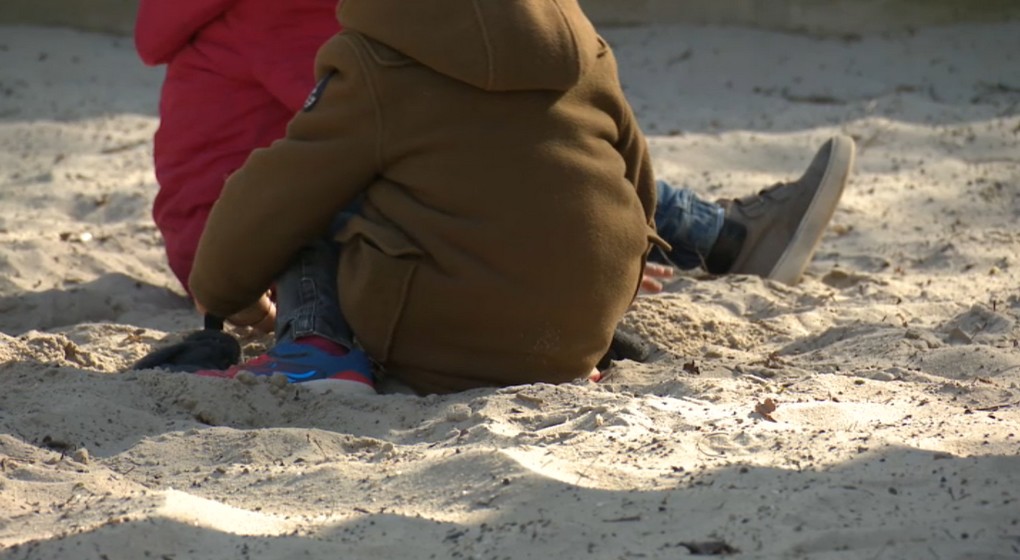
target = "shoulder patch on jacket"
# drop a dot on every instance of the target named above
(313, 97)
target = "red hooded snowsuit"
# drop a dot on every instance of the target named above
(237, 71)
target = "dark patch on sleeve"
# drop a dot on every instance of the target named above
(313, 97)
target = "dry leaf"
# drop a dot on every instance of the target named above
(765, 409)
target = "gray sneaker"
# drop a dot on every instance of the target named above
(774, 233)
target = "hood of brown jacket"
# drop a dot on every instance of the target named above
(495, 45)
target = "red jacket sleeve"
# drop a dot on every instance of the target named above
(163, 27)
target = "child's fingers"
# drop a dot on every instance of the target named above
(650, 285)
(658, 270)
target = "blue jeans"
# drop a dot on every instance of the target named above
(306, 297)
(307, 302)
(686, 222)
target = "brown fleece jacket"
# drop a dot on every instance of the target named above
(508, 192)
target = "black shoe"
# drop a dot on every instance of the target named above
(628, 346)
(207, 349)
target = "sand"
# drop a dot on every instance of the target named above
(870, 412)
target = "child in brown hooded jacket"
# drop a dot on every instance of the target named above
(494, 194)
(507, 192)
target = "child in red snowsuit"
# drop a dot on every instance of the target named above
(231, 86)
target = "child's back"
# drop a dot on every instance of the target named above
(508, 192)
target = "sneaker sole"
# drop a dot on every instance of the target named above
(791, 265)
(344, 386)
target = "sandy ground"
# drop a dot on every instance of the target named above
(893, 366)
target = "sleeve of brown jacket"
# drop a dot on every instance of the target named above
(634, 149)
(286, 195)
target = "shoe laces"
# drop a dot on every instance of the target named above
(761, 197)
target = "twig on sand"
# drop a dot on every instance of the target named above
(123, 147)
(996, 407)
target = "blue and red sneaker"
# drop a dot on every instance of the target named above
(349, 371)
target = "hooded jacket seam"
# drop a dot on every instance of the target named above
(573, 36)
(377, 57)
(373, 91)
(490, 78)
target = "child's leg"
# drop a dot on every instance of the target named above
(686, 222)
(772, 234)
(314, 343)
(306, 298)
(307, 301)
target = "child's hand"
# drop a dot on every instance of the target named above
(260, 316)
(653, 273)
